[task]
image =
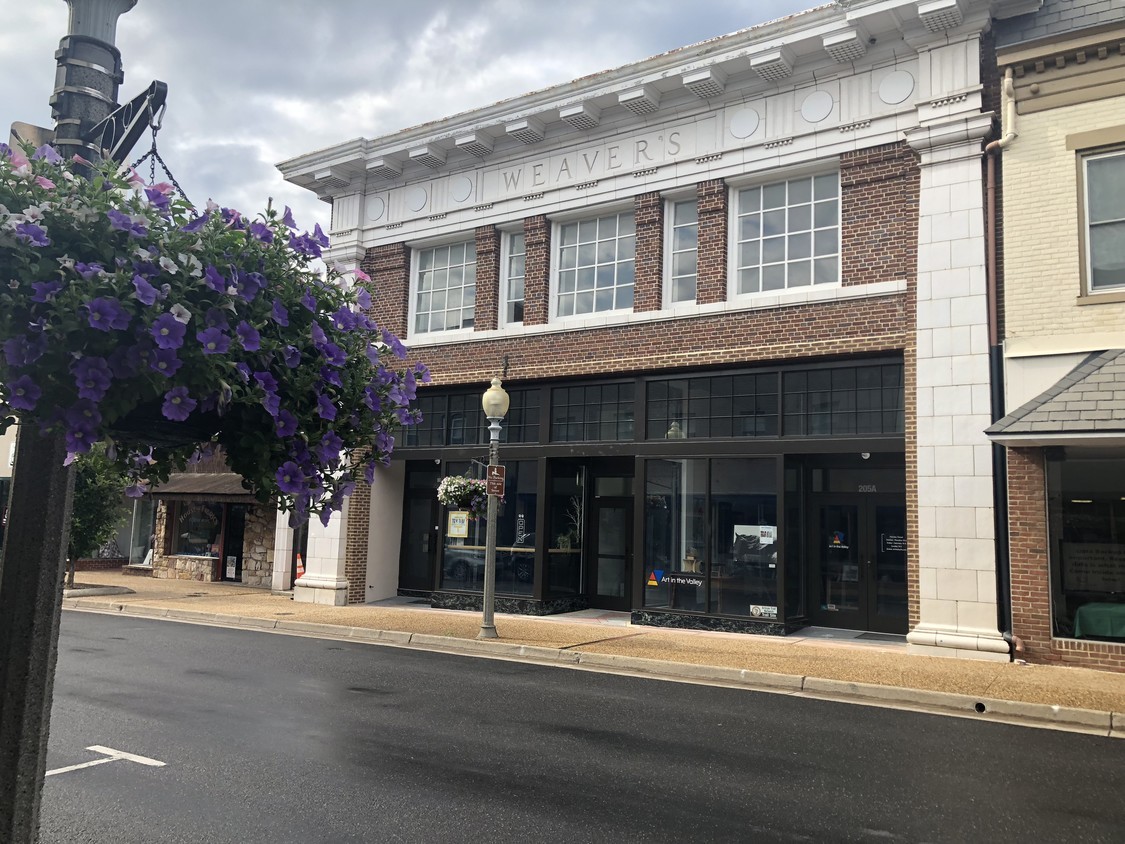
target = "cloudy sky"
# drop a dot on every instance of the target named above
(254, 82)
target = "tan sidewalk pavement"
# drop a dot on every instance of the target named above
(886, 665)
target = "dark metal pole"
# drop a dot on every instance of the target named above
(34, 554)
(488, 623)
(31, 581)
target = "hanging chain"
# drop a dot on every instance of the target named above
(153, 156)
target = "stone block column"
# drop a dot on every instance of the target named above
(282, 551)
(956, 548)
(325, 580)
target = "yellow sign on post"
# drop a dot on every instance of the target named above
(458, 524)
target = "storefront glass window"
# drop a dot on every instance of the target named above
(744, 537)
(1087, 523)
(463, 555)
(198, 526)
(675, 535)
(142, 540)
(565, 520)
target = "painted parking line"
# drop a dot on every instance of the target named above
(109, 755)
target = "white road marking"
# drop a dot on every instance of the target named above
(110, 755)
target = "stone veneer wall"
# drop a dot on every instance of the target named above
(257, 551)
(1031, 577)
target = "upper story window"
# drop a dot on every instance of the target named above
(596, 265)
(445, 287)
(787, 234)
(515, 256)
(1104, 177)
(683, 250)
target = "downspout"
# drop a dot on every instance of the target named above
(996, 367)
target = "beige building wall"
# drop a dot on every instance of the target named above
(1044, 310)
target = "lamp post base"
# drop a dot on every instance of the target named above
(488, 632)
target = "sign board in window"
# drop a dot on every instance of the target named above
(1093, 567)
(458, 524)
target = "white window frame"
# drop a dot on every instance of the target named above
(1087, 247)
(506, 255)
(416, 251)
(557, 224)
(670, 203)
(763, 181)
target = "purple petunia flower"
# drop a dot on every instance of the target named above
(33, 234)
(286, 424)
(333, 354)
(144, 292)
(121, 221)
(23, 393)
(308, 301)
(372, 399)
(243, 371)
(107, 314)
(215, 279)
(325, 408)
(290, 478)
(266, 381)
(165, 361)
(278, 314)
(45, 290)
(345, 319)
(158, 198)
(272, 403)
(92, 376)
(292, 357)
(249, 285)
(216, 318)
(329, 449)
(168, 332)
(260, 231)
(394, 344)
(196, 224)
(79, 439)
(22, 351)
(48, 153)
(214, 341)
(178, 405)
(330, 376)
(287, 218)
(251, 339)
(135, 490)
(319, 236)
(83, 412)
(88, 271)
(363, 298)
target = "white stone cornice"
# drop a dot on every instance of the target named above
(965, 131)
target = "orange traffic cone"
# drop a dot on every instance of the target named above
(300, 568)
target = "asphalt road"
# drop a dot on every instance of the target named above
(272, 738)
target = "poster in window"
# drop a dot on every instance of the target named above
(458, 526)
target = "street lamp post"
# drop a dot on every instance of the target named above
(495, 403)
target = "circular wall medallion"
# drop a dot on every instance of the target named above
(375, 208)
(416, 198)
(896, 87)
(744, 123)
(460, 188)
(817, 106)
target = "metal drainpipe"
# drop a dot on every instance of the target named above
(996, 367)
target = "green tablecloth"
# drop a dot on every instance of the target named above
(1103, 621)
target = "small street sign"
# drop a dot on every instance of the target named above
(494, 480)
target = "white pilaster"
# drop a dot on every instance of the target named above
(956, 554)
(282, 552)
(324, 581)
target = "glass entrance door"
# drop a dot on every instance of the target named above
(612, 554)
(858, 558)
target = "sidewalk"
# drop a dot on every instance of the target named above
(810, 664)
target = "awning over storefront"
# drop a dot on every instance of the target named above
(1084, 408)
(204, 486)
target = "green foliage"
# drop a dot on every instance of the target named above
(99, 508)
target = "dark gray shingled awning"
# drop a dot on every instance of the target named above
(1085, 407)
(204, 486)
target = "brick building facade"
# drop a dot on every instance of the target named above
(737, 295)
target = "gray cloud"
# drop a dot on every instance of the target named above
(253, 82)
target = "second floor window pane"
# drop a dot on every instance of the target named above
(514, 276)
(596, 265)
(445, 288)
(683, 251)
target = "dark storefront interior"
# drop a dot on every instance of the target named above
(755, 500)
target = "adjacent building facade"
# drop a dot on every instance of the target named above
(737, 294)
(1064, 328)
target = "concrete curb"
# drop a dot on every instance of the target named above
(1111, 723)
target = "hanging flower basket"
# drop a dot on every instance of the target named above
(460, 493)
(128, 316)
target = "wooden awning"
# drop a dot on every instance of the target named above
(204, 486)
